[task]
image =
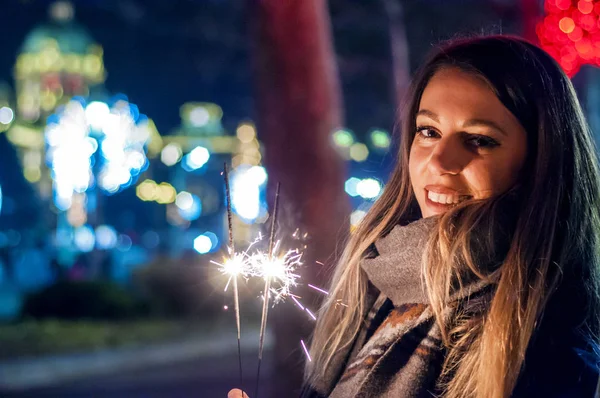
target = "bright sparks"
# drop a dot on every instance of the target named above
(280, 270)
(306, 351)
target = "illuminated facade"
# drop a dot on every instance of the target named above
(79, 146)
(192, 162)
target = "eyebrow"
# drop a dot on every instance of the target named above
(468, 123)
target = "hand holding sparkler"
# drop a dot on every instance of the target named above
(237, 393)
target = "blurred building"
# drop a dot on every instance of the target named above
(113, 191)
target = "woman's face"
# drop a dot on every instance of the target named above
(467, 144)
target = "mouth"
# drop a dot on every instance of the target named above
(438, 201)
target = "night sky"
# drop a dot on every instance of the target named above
(159, 53)
(164, 53)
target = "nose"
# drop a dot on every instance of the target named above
(447, 157)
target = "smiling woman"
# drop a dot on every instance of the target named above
(456, 281)
(467, 144)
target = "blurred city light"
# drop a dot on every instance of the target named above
(151, 239)
(84, 238)
(171, 154)
(96, 113)
(356, 217)
(203, 244)
(6, 115)
(343, 138)
(124, 243)
(196, 158)
(359, 152)
(246, 185)
(199, 116)
(369, 188)
(189, 206)
(257, 174)
(380, 139)
(106, 237)
(246, 133)
(350, 186)
(73, 136)
(184, 200)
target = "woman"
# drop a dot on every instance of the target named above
(476, 273)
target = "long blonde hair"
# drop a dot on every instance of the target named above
(553, 234)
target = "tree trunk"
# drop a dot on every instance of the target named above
(299, 106)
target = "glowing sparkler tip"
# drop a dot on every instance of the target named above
(235, 266)
(225, 307)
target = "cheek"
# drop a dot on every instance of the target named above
(413, 166)
(487, 180)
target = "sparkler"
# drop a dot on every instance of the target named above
(271, 268)
(233, 266)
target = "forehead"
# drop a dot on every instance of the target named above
(457, 93)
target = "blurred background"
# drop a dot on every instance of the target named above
(116, 118)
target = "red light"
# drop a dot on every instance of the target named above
(576, 34)
(563, 4)
(585, 6)
(566, 25)
(570, 33)
(583, 47)
(588, 22)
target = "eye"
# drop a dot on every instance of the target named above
(426, 132)
(482, 141)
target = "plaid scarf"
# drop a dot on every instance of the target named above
(398, 351)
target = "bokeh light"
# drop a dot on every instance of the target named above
(106, 237)
(84, 238)
(6, 115)
(350, 186)
(171, 154)
(369, 188)
(343, 138)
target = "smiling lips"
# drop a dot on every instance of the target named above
(443, 195)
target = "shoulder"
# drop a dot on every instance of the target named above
(559, 364)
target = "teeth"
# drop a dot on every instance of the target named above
(444, 198)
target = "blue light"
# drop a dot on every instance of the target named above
(202, 244)
(135, 112)
(124, 243)
(84, 238)
(213, 239)
(106, 237)
(245, 192)
(351, 186)
(151, 239)
(191, 210)
(196, 158)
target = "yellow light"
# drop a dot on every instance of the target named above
(92, 65)
(166, 193)
(147, 190)
(32, 174)
(380, 139)
(25, 137)
(343, 138)
(73, 63)
(359, 152)
(246, 133)
(48, 100)
(49, 59)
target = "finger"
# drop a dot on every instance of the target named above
(236, 393)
